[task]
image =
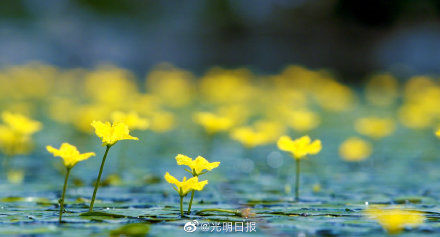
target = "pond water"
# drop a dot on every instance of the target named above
(333, 193)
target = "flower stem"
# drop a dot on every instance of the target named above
(98, 180)
(190, 202)
(64, 192)
(297, 179)
(181, 206)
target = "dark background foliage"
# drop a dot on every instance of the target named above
(353, 38)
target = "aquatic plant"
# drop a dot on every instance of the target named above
(16, 139)
(110, 134)
(71, 157)
(299, 149)
(185, 186)
(197, 167)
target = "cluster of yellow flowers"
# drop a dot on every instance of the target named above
(197, 168)
(251, 109)
(110, 134)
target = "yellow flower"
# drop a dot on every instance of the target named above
(132, 120)
(112, 133)
(197, 165)
(261, 133)
(332, 95)
(248, 136)
(415, 116)
(172, 85)
(299, 148)
(437, 133)
(15, 176)
(394, 220)
(69, 154)
(213, 123)
(162, 121)
(316, 188)
(13, 143)
(221, 86)
(185, 186)
(382, 90)
(355, 149)
(108, 84)
(302, 120)
(375, 127)
(20, 123)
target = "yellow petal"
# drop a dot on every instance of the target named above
(315, 147)
(184, 160)
(201, 164)
(285, 143)
(170, 179)
(69, 154)
(200, 185)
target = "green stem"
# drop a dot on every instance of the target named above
(64, 192)
(98, 180)
(191, 201)
(192, 192)
(181, 206)
(297, 179)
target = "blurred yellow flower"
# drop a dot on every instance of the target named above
(248, 136)
(15, 176)
(355, 149)
(112, 133)
(32, 81)
(162, 121)
(85, 114)
(375, 127)
(332, 95)
(382, 89)
(237, 113)
(185, 186)
(13, 143)
(69, 154)
(197, 165)
(394, 220)
(415, 116)
(262, 132)
(110, 85)
(316, 188)
(63, 110)
(299, 148)
(437, 133)
(172, 85)
(21, 124)
(132, 120)
(302, 120)
(213, 123)
(223, 86)
(417, 85)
